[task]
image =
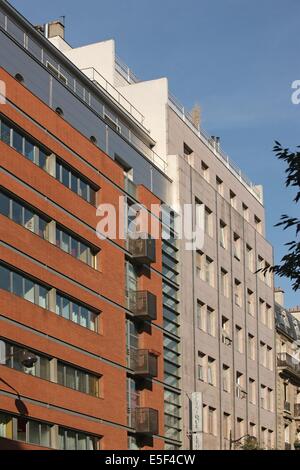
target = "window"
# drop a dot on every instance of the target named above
(74, 440)
(211, 371)
(6, 426)
(269, 401)
(22, 214)
(223, 235)
(263, 353)
(239, 336)
(211, 321)
(133, 400)
(33, 432)
(238, 293)
(72, 180)
(226, 425)
(252, 391)
(23, 144)
(226, 378)
(225, 331)
(187, 150)
(205, 268)
(220, 186)
(249, 258)
(240, 427)
(40, 369)
(224, 283)
(237, 246)
(232, 197)
(240, 392)
(262, 311)
(258, 224)
(205, 171)
(75, 247)
(201, 367)
(201, 315)
(246, 212)
(77, 313)
(269, 362)
(252, 429)
(250, 302)
(23, 286)
(77, 379)
(263, 396)
(269, 316)
(208, 222)
(209, 420)
(251, 346)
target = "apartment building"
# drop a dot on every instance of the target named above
(81, 319)
(185, 321)
(288, 374)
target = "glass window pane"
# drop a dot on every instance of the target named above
(43, 296)
(84, 250)
(58, 171)
(60, 374)
(5, 133)
(74, 183)
(5, 426)
(65, 177)
(91, 443)
(29, 219)
(34, 432)
(17, 141)
(74, 247)
(29, 290)
(45, 435)
(42, 226)
(58, 304)
(93, 385)
(17, 212)
(17, 284)
(4, 204)
(61, 437)
(44, 368)
(70, 377)
(83, 190)
(82, 442)
(81, 381)
(65, 308)
(84, 317)
(21, 429)
(4, 278)
(29, 150)
(92, 196)
(93, 321)
(70, 440)
(75, 312)
(65, 242)
(42, 159)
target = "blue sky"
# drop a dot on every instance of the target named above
(237, 58)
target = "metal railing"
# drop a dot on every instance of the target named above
(125, 71)
(214, 146)
(285, 360)
(78, 86)
(99, 80)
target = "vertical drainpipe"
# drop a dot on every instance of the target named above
(246, 329)
(232, 326)
(257, 348)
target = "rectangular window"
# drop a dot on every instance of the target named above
(252, 391)
(232, 197)
(239, 335)
(251, 347)
(224, 283)
(220, 186)
(223, 235)
(250, 302)
(74, 440)
(208, 222)
(77, 379)
(238, 293)
(76, 312)
(226, 378)
(258, 224)
(75, 182)
(237, 246)
(205, 171)
(246, 212)
(249, 258)
(74, 246)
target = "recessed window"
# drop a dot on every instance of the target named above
(258, 224)
(220, 186)
(232, 196)
(246, 212)
(205, 171)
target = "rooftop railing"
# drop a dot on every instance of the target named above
(78, 86)
(215, 147)
(125, 71)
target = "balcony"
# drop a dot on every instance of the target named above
(143, 305)
(146, 421)
(297, 410)
(289, 364)
(142, 250)
(144, 363)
